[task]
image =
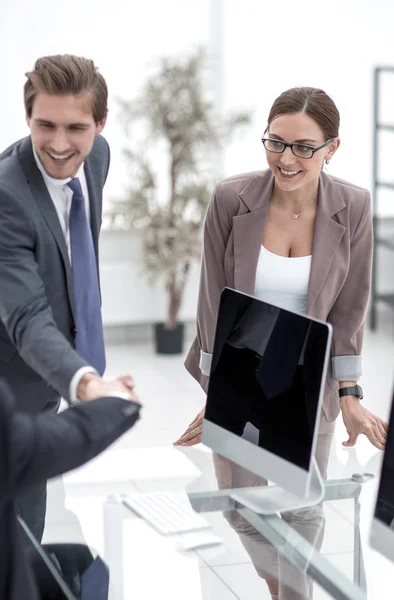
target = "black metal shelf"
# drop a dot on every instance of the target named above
(379, 239)
(385, 242)
(385, 184)
(386, 298)
(383, 127)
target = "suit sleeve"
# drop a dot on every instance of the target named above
(349, 311)
(217, 229)
(108, 161)
(49, 445)
(24, 308)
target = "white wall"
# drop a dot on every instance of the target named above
(127, 295)
(269, 47)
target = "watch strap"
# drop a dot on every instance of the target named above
(354, 390)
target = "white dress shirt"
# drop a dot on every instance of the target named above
(61, 196)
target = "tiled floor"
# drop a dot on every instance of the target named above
(144, 459)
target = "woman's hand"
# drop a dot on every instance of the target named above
(358, 420)
(192, 435)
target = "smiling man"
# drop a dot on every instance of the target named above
(51, 182)
(63, 131)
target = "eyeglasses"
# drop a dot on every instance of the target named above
(300, 150)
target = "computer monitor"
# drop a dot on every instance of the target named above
(382, 529)
(267, 375)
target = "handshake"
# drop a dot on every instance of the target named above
(92, 386)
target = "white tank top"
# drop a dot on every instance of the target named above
(283, 281)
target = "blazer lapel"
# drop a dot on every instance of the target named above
(42, 196)
(47, 209)
(248, 230)
(327, 236)
(93, 180)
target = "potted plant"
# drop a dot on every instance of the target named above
(172, 129)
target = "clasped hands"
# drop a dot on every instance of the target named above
(92, 386)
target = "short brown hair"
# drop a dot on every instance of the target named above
(312, 101)
(67, 74)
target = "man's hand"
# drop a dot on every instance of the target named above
(358, 420)
(192, 435)
(92, 386)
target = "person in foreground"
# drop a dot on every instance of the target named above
(51, 186)
(301, 239)
(34, 449)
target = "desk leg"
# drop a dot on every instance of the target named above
(113, 515)
(359, 571)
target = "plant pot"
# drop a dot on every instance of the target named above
(169, 341)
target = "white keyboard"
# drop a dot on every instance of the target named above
(167, 512)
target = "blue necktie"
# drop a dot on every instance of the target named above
(89, 342)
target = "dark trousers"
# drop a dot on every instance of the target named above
(70, 560)
(31, 506)
(85, 577)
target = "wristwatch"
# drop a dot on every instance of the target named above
(355, 390)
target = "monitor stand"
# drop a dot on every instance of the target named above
(272, 499)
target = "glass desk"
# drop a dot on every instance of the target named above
(145, 565)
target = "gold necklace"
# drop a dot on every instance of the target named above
(294, 215)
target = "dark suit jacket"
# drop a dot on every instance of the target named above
(33, 450)
(37, 324)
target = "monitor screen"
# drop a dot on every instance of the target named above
(266, 376)
(384, 510)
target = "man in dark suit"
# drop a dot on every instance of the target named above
(33, 450)
(51, 334)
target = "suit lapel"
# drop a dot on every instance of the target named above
(47, 209)
(93, 181)
(248, 230)
(42, 196)
(327, 236)
(248, 234)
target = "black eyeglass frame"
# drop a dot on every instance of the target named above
(285, 145)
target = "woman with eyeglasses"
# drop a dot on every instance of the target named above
(301, 239)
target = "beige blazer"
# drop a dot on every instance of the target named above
(340, 278)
